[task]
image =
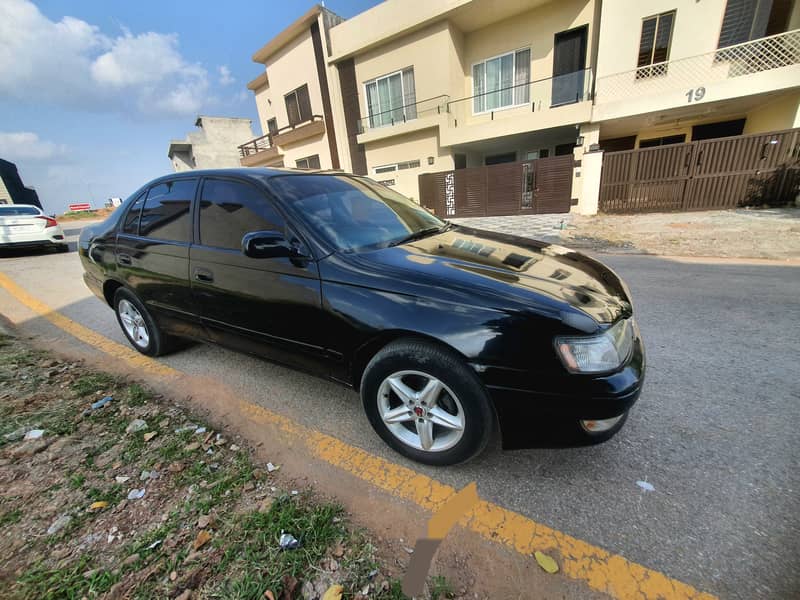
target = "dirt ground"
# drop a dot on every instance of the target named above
(741, 233)
(140, 498)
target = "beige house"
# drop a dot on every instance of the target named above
(672, 71)
(293, 98)
(411, 87)
(212, 146)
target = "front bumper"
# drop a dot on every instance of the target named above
(525, 414)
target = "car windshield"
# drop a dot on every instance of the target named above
(17, 211)
(355, 213)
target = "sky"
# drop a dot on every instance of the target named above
(91, 92)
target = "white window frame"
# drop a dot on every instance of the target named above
(375, 80)
(513, 54)
(406, 165)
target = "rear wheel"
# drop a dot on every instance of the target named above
(426, 403)
(138, 325)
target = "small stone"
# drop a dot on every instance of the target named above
(130, 560)
(150, 435)
(249, 486)
(266, 504)
(59, 524)
(234, 448)
(121, 478)
(338, 551)
(271, 467)
(206, 522)
(176, 467)
(144, 475)
(202, 539)
(333, 564)
(185, 595)
(136, 425)
(173, 575)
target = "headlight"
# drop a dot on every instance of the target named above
(597, 353)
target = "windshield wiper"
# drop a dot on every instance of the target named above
(419, 234)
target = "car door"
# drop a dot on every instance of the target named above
(152, 254)
(266, 306)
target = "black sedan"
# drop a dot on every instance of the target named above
(444, 330)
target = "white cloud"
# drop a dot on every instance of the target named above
(26, 145)
(72, 63)
(225, 77)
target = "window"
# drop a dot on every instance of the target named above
(165, 215)
(298, 105)
(12, 210)
(662, 141)
(392, 99)
(401, 166)
(654, 45)
(744, 20)
(131, 223)
(272, 126)
(501, 81)
(229, 209)
(311, 162)
(497, 159)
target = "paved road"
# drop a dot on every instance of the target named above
(716, 430)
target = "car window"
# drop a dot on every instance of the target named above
(165, 215)
(353, 213)
(131, 223)
(230, 209)
(18, 211)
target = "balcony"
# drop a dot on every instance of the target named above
(759, 66)
(260, 152)
(297, 132)
(541, 104)
(403, 119)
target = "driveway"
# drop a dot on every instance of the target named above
(715, 432)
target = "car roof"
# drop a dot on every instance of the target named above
(256, 173)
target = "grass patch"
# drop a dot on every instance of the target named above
(91, 383)
(76, 481)
(45, 583)
(136, 395)
(10, 517)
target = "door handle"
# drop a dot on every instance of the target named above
(203, 275)
(124, 259)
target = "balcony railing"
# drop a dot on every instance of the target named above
(403, 114)
(259, 144)
(763, 54)
(273, 138)
(533, 96)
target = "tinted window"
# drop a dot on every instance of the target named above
(165, 215)
(352, 212)
(18, 211)
(229, 209)
(131, 224)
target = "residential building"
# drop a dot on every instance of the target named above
(12, 190)
(436, 86)
(214, 146)
(293, 98)
(673, 71)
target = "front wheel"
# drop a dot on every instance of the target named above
(426, 403)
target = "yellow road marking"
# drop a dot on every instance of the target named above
(599, 569)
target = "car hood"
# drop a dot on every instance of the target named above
(515, 269)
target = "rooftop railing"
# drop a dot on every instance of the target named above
(763, 54)
(265, 142)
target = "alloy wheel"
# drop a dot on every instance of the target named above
(421, 411)
(134, 323)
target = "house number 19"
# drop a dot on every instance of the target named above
(696, 94)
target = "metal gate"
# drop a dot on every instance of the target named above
(705, 175)
(536, 186)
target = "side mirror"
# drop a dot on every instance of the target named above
(267, 244)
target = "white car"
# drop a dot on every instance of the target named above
(26, 226)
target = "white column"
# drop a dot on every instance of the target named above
(586, 177)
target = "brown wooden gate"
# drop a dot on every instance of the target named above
(705, 175)
(536, 186)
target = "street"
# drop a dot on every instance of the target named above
(715, 431)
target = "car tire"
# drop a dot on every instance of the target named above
(143, 334)
(584, 437)
(454, 418)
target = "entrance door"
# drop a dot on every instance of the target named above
(569, 64)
